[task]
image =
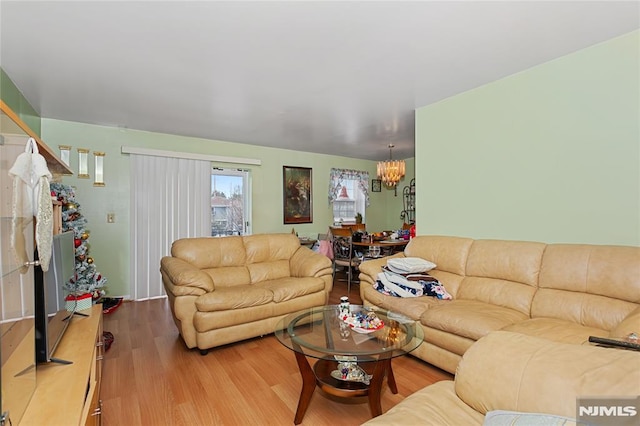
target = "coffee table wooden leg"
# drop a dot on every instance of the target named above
(308, 386)
(375, 387)
(391, 380)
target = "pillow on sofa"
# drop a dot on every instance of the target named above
(516, 418)
(409, 265)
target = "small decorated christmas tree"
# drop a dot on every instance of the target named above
(87, 280)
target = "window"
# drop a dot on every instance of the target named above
(349, 194)
(230, 202)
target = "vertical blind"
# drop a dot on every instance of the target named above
(170, 199)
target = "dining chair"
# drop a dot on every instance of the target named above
(343, 254)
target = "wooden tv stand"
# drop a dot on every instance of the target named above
(69, 394)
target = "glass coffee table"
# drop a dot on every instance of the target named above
(350, 362)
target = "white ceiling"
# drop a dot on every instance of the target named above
(339, 78)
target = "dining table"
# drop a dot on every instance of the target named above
(378, 248)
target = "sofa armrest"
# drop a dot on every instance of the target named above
(185, 276)
(512, 371)
(307, 263)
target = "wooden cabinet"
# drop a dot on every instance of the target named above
(69, 394)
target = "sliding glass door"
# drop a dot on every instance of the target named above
(230, 202)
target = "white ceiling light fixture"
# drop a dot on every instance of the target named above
(391, 171)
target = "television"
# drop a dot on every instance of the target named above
(51, 317)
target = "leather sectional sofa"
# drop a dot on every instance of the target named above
(509, 378)
(222, 290)
(561, 292)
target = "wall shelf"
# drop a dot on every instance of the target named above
(408, 214)
(10, 120)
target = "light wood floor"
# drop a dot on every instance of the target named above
(151, 378)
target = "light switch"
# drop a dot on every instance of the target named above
(111, 217)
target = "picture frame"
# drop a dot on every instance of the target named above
(297, 196)
(376, 185)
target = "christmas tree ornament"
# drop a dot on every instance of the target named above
(84, 235)
(71, 206)
(77, 242)
(89, 260)
(80, 257)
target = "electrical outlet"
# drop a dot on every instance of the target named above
(111, 217)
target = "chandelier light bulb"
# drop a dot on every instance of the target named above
(391, 171)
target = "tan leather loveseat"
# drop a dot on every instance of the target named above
(509, 378)
(223, 290)
(562, 292)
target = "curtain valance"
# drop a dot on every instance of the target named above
(337, 176)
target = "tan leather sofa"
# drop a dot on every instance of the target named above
(562, 292)
(223, 290)
(533, 379)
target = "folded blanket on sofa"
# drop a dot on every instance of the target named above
(398, 286)
(412, 276)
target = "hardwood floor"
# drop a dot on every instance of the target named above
(151, 378)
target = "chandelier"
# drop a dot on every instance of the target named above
(390, 171)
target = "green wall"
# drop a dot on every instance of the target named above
(549, 154)
(11, 96)
(109, 243)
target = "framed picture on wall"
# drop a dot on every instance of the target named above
(376, 185)
(296, 195)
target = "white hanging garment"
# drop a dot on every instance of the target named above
(31, 198)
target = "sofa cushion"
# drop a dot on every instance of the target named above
(498, 292)
(210, 252)
(593, 285)
(449, 253)
(270, 247)
(512, 371)
(217, 321)
(288, 288)
(470, 318)
(590, 268)
(450, 281)
(268, 255)
(503, 273)
(517, 261)
(229, 276)
(237, 297)
(556, 330)
(581, 308)
(452, 343)
(269, 270)
(434, 405)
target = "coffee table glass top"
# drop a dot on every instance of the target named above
(319, 332)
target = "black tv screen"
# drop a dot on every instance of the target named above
(50, 316)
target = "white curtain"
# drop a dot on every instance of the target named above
(170, 199)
